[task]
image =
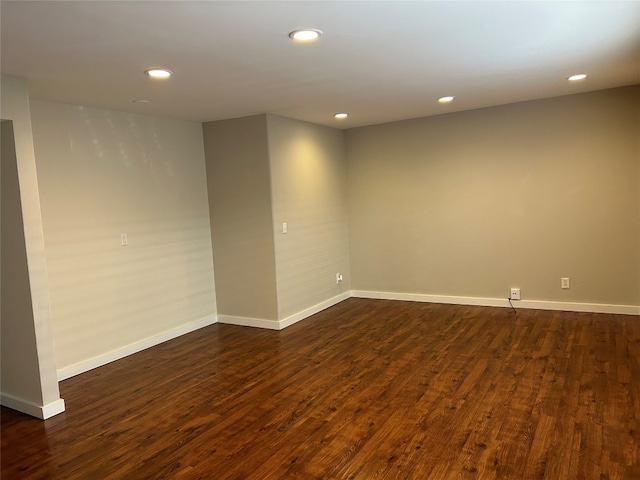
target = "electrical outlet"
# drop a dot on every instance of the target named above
(338, 278)
(564, 283)
(515, 294)
(124, 241)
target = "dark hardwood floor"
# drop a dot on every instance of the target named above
(367, 389)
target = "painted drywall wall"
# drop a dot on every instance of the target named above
(264, 171)
(308, 182)
(472, 203)
(28, 378)
(103, 174)
(241, 224)
(18, 331)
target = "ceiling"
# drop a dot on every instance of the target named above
(380, 61)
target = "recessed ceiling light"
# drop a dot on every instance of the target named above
(574, 78)
(139, 101)
(305, 34)
(446, 99)
(340, 115)
(158, 73)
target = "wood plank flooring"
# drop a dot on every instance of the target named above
(368, 389)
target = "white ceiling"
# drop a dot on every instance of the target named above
(379, 61)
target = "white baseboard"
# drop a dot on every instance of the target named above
(95, 362)
(501, 302)
(86, 365)
(578, 307)
(285, 322)
(249, 322)
(25, 406)
(313, 310)
(420, 297)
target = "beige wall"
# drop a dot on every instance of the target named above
(17, 327)
(262, 171)
(241, 227)
(29, 378)
(103, 173)
(473, 203)
(308, 179)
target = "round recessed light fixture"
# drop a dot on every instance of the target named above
(305, 34)
(575, 78)
(140, 101)
(340, 116)
(446, 99)
(158, 73)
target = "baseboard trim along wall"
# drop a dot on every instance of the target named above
(579, 307)
(90, 364)
(25, 406)
(290, 320)
(501, 302)
(284, 323)
(314, 309)
(249, 322)
(95, 362)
